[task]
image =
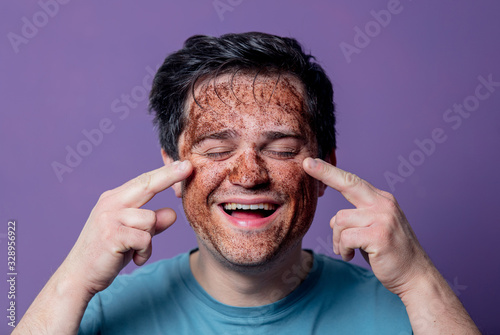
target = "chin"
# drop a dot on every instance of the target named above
(250, 255)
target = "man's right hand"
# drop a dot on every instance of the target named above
(117, 231)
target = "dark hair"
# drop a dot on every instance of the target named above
(204, 56)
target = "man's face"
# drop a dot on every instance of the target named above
(248, 199)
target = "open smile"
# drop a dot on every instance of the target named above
(259, 210)
(256, 215)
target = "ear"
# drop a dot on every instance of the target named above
(332, 159)
(177, 186)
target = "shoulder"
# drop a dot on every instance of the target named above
(149, 276)
(120, 307)
(351, 283)
(144, 284)
(349, 292)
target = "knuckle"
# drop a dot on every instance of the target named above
(104, 218)
(134, 238)
(392, 207)
(149, 216)
(344, 235)
(109, 232)
(386, 194)
(325, 170)
(333, 221)
(144, 238)
(391, 198)
(341, 217)
(105, 195)
(144, 181)
(349, 235)
(351, 179)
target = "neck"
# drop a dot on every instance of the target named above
(259, 286)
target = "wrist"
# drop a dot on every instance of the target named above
(428, 282)
(70, 281)
(433, 307)
(58, 308)
(69, 286)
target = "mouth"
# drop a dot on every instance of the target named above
(249, 211)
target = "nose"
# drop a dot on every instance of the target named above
(249, 171)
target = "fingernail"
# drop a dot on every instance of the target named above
(183, 166)
(313, 163)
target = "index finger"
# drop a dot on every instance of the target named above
(138, 191)
(356, 190)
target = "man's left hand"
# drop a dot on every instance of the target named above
(377, 226)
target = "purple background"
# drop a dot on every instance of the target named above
(395, 90)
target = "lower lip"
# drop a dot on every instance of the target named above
(252, 223)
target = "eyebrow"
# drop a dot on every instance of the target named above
(231, 134)
(276, 135)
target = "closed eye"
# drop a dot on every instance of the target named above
(215, 149)
(281, 154)
(283, 148)
(218, 152)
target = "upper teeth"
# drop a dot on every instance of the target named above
(233, 206)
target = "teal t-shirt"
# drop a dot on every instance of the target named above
(165, 298)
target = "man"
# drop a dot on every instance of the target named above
(246, 126)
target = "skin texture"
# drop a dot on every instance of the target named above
(246, 138)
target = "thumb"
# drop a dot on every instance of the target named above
(165, 217)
